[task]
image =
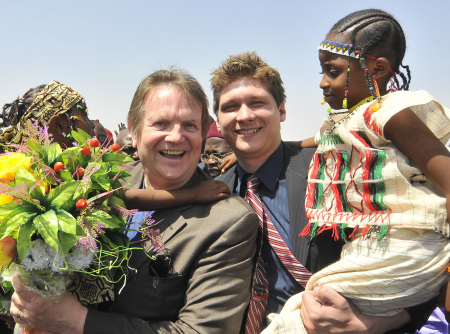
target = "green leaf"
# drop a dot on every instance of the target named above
(24, 237)
(17, 217)
(34, 145)
(24, 177)
(114, 200)
(53, 153)
(67, 223)
(60, 195)
(102, 183)
(80, 137)
(99, 216)
(65, 175)
(47, 226)
(116, 158)
(7, 208)
(67, 241)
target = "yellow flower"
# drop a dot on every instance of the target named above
(9, 164)
(6, 199)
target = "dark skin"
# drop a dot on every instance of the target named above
(125, 141)
(61, 124)
(215, 145)
(413, 138)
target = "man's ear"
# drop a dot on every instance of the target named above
(282, 109)
(133, 137)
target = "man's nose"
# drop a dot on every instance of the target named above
(175, 134)
(244, 113)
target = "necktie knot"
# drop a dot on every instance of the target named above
(253, 182)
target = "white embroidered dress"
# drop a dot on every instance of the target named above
(357, 177)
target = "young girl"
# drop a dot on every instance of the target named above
(381, 168)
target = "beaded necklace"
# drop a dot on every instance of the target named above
(338, 118)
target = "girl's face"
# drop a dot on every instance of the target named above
(334, 79)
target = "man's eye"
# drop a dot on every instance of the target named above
(228, 108)
(257, 103)
(191, 126)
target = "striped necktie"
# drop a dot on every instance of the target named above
(294, 267)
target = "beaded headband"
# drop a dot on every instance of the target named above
(340, 48)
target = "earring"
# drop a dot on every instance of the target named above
(64, 134)
(377, 91)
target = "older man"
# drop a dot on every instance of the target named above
(249, 101)
(202, 284)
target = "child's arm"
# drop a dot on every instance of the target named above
(228, 162)
(411, 136)
(146, 199)
(309, 142)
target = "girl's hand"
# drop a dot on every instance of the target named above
(210, 191)
(228, 162)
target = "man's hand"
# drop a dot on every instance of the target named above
(29, 308)
(326, 311)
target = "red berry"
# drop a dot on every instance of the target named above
(115, 147)
(81, 204)
(59, 166)
(80, 172)
(94, 142)
(86, 150)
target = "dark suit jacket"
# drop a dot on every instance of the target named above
(212, 249)
(323, 250)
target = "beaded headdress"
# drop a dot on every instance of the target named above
(343, 49)
(352, 51)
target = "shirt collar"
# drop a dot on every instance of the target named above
(270, 171)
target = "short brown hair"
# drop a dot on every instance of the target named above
(244, 65)
(176, 77)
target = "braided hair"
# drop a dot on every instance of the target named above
(13, 112)
(379, 34)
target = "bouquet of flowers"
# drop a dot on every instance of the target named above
(61, 213)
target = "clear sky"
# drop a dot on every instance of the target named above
(103, 49)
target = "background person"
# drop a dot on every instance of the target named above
(217, 155)
(208, 250)
(55, 105)
(125, 141)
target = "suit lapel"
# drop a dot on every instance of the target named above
(229, 178)
(169, 221)
(297, 164)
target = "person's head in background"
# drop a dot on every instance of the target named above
(100, 133)
(55, 105)
(125, 141)
(216, 149)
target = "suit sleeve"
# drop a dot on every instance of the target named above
(218, 286)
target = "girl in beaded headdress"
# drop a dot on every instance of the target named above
(382, 169)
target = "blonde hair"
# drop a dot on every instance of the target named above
(244, 65)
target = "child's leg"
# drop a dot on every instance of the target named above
(406, 268)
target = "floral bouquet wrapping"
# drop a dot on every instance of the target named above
(61, 216)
